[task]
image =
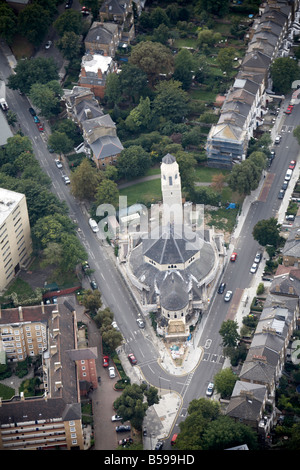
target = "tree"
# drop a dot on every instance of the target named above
(224, 381)
(170, 100)
(139, 117)
(28, 72)
(132, 162)
(92, 300)
(225, 58)
(152, 58)
(60, 142)
(85, 180)
(218, 181)
(187, 164)
(184, 68)
(283, 72)
(72, 252)
(45, 98)
(8, 23)
(113, 92)
(224, 433)
(229, 333)
(33, 23)
(245, 177)
(107, 193)
(266, 232)
(131, 405)
(49, 229)
(69, 45)
(208, 37)
(214, 7)
(133, 82)
(69, 21)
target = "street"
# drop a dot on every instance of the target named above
(114, 291)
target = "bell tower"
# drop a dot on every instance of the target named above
(171, 191)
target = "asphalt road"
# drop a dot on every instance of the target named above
(114, 291)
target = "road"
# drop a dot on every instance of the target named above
(114, 291)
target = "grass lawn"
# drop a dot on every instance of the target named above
(147, 192)
(21, 288)
(6, 393)
(205, 174)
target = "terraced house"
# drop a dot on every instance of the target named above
(246, 101)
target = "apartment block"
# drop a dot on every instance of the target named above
(15, 236)
(51, 419)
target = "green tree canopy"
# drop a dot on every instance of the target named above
(224, 381)
(69, 21)
(85, 180)
(60, 142)
(171, 101)
(28, 72)
(49, 229)
(33, 22)
(229, 333)
(266, 232)
(152, 58)
(45, 98)
(8, 23)
(284, 71)
(107, 193)
(132, 162)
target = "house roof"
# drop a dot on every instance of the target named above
(247, 401)
(106, 146)
(101, 33)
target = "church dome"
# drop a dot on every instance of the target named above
(173, 292)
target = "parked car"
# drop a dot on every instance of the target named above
(253, 268)
(116, 418)
(278, 139)
(281, 194)
(292, 164)
(221, 288)
(290, 217)
(68, 4)
(288, 175)
(233, 256)
(257, 258)
(40, 126)
(85, 266)
(210, 389)
(132, 359)
(32, 111)
(105, 361)
(228, 296)
(111, 372)
(93, 224)
(123, 428)
(140, 322)
(94, 285)
(48, 44)
(36, 119)
(115, 325)
(58, 163)
(285, 185)
(159, 445)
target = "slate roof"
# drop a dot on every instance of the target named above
(247, 401)
(174, 291)
(106, 146)
(101, 32)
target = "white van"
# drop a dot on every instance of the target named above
(93, 224)
(288, 175)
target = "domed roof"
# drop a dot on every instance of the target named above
(173, 292)
(168, 159)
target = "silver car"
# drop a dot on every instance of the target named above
(228, 296)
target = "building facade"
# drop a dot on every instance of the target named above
(15, 236)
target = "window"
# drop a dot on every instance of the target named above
(170, 180)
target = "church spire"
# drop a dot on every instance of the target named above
(171, 191)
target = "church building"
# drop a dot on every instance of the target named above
(173, 266)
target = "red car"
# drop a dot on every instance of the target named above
(132, 358)
(39, 126)
(105, 360)
(233, 257)
(292, 165)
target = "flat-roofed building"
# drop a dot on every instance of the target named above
(15, 235)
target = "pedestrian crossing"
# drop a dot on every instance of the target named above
(212, 357)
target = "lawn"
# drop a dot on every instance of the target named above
(6, 393)
(147, 192)
(21, 288)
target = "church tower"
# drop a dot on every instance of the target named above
(171, 191)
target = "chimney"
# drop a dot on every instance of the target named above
(99, 73)
(83, 72)
(21, 313)
(43, 307)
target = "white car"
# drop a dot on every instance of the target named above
(112, 372)
(67, 180)
(116, 418)
(93, 224)
(210, 389)
(228, 296)
(58, 163)
(140, 323)
(253, 268)
(114, 325)
(48, 44)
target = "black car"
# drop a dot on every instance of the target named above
(32, 111)
(221, 288)
(123, 428)
(281, 194)
(159, 445)
(85, 266)
(284, 185)
(69, 4)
